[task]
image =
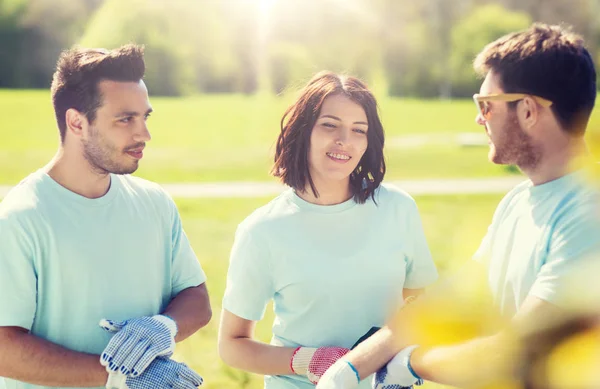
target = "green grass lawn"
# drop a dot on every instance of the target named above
(210, 225)
(231, 137)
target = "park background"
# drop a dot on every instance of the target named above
(220, 75)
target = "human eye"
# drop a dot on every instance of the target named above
(486, 107)
(328, 125)
(126, 119)
(360, 131)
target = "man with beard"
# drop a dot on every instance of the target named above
(82, 241)
(535, 103)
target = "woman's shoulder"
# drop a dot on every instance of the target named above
(269, 215)
(390, 195)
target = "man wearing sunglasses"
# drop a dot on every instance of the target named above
(534, 103)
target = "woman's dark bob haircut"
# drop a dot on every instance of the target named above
(291, 153)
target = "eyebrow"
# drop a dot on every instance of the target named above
(338, 119)
(133, 113)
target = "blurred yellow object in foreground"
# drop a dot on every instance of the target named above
(575, 362)
(452, 311)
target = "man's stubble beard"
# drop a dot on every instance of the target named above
(518, 147)
(101, 155)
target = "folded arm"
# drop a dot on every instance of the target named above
(456, 364)
(191, 310)
(238, 349)
(27, 358)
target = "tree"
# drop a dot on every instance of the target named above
(186, 46)
(310, 36)
(480, 27)
(11, 35)
(32, 34)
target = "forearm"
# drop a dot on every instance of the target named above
(191, 311)
(27, 358)
(256, 357)
(374, 353)
(474, 363)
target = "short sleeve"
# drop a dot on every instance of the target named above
(249, 278)
(574, 246)
(484, 251)
(186, 271)
(18, 281)
(420, 269)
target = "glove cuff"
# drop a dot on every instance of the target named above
(168, 322)
(405, 358)
(301, 359)
(116, 381)
(341, 374)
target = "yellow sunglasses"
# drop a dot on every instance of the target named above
(484, 109)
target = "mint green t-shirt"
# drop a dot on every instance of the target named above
(67, 261)
(333, 272)
(539, 237)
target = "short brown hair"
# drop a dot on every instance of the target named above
(291, 154)
(548, 61)
(78, 72)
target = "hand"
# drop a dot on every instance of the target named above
(341, 375)
(162, 373)
(137, 343)
(397, 373)
(313, 362)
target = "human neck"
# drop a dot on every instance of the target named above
(330, 193)
(73, 172)
(558, 162)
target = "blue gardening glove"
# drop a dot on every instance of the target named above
(137, 343)
(397, 374)
(162, 373)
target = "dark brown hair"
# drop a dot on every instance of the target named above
(546, 61)
(291, 154)
(78, 72)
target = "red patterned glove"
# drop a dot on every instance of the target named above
(313, 362)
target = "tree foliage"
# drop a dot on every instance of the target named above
(419, 48)
(481, 26)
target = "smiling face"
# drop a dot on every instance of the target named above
(114, 141)
(338, 140)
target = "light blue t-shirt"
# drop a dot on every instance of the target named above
(333, 271)
(538, 237)
(67, 261)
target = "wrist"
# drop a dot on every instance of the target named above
(115, 380)
(314, 362)
(354, 370)
(406, 358)
(301, 360)
(169, 322)
(342, 374)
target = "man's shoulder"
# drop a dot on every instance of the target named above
(24, 199)
(142, 188)
(513, 197)
(521, 187)
(579, 204)
(584, 191)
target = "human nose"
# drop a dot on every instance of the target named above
(143, 134)
(479, 119)
(342, 137)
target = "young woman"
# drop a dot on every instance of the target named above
(337, 252)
